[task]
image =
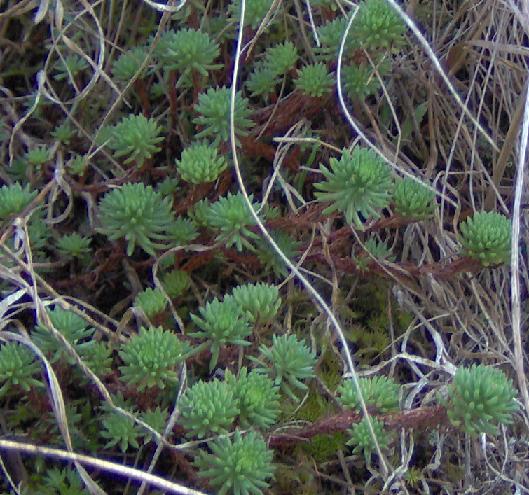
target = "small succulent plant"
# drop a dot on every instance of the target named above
(38, 156)
(18, 368)
(257, 396)
(361, 438)
(377, 26)
(120, 431)
(63, 482)
(14, 198)
(288, 362)
(379, 392)
(175, 282)
(73, 328)
(281, 58)
(128, 64)
(208, 407)
(314, 80)
(73, 245)
(151, 301)
(156, 419)
(486, 237)
(168, 186)
(137, 138)
(63, 133)
(330, 36)
(238, 464)
(262, 81)
(359, 81)
(182, 231)
(200, 163)
(270, 259)
(187, 49)
(260, 300)
(232, 219)
(138, 214)
(413, 200)
(255, 11)
(480, 398)
(222, 323)
(150, 358)
(213, 108)
(359, 183)
(72, 65)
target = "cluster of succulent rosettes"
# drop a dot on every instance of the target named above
(182, 231)
(201, 163)
(232, 218)
(186, 50)
(257, 396)
(151, 301)
(362, 440)
(314, 80)
(486, 237)
(377, 26)
(330, 36)
(150, 358)
(14, 198)
(359, 81)
(276, 62)
(380, 394)
(128, 64)
(287, 362)
(222, 323)
(73, 245)
(260, 300)
(213, 108)
(137, 138)
(413, 199)
(138, 214)
(480, 398)
(18, 368)
(239, 464)
(359, 183)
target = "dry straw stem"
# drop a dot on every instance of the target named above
(100, 464)
(308, 286)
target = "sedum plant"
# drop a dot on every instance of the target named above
(70, 66)
(129, 63)
(359, 81)
(74, 245)
(413, 200)
(232, 219)
(486, 237)
(208, 407)
(150, 358)
(138, 214)
(222, 323)
(38, 156)
(359, 183)
(17, 368)
(257, 397)
(213, 108)
(255, 11)
(314, 80)
(73, 328)
(480, 398)
(182, 231)
(379, 392)
(260, 300)
(64, 133)
(363, 442)
(120, 431)
(377, 26)
(137, 138)
(281, 58)
(238, 464)
(151, 301)
(288, 362)
(14, 198)
(186, 50)
(200, 163)
(176, 282)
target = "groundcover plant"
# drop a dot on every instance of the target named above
(263, 247)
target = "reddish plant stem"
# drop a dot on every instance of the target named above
(422, 418)
(143, 96)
